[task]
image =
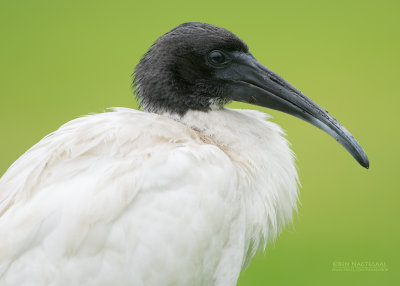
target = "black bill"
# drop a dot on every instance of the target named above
(250, 82)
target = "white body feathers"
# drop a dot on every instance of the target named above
(133, 198)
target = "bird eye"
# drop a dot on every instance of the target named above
(217, 57)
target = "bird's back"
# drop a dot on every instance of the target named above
(122, 197)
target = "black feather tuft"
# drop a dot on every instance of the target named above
(173, 75)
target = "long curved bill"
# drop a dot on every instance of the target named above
(251, 82)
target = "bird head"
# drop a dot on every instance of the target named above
(198, 66)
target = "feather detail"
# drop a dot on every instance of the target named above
(116, 197)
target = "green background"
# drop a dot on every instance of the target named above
(63, 59)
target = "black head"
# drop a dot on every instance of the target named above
(178, 71)
(196, 66)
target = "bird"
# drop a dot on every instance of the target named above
(183, 191)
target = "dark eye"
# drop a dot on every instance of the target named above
(217, 57)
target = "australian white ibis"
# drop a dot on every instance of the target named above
(183, 193)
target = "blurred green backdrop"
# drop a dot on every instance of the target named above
(62, 59)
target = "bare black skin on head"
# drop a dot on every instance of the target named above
(196, 66)
(174, 75)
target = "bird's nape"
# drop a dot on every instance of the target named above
(197, 66)
(184, 193)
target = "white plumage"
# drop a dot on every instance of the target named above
(134, 198)
(182, 194)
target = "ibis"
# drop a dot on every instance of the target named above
(184, 192)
